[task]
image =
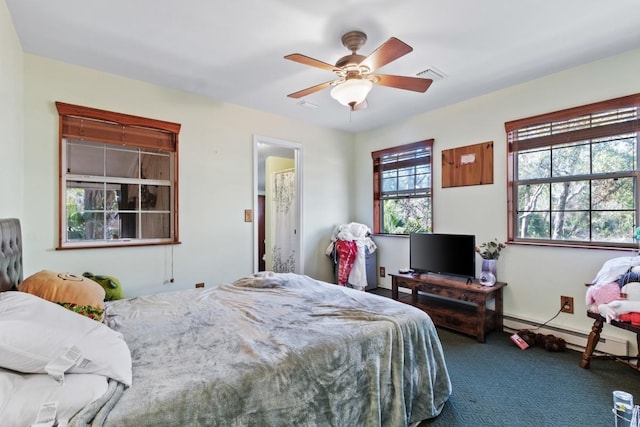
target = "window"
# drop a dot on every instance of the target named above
(573, 175)
(118, 180)
(402, 189)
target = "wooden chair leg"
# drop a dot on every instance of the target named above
(594, 337)
(638, 355)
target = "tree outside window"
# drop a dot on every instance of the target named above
(402, 189)
(118, 180)
(574, 175)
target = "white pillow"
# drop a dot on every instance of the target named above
(22, 395)
(38, 336)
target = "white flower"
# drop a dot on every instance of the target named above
(490, 249)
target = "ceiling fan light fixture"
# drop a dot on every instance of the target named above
(352, 91)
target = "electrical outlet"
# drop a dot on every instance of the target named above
(566, 304)
(383, 272)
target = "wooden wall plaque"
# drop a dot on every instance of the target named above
(470, 165)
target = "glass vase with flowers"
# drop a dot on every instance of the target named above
(489, 252)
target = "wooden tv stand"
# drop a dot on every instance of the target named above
(451, 302)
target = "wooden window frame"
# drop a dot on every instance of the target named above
(378, 167)
(107, 127)
(568, 135)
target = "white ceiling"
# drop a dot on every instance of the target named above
(233, 51)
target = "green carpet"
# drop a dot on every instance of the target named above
(497, 384)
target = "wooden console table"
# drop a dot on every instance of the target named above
(453, 303)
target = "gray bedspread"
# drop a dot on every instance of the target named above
(277, 350)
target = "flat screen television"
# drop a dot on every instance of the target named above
(450, 254)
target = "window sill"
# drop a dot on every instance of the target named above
(120, 244)
(597, 246)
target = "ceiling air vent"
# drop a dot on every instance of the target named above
(307, 105)
(432, 73)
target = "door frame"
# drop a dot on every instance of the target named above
(259, 142)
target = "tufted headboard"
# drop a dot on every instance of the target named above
(10, 254)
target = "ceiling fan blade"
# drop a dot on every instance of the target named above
(415, 84)
(309, 90)
(389, 51)
(303, 59)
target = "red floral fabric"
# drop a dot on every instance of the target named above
(346, 256)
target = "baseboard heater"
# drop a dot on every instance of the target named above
(575, 340)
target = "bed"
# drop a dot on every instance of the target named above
(266, 350)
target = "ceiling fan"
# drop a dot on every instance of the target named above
(356, 74)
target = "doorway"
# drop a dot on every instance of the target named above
(277, 205)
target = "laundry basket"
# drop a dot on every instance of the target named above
(371, 263)
(358, 271)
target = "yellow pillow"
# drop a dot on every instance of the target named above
(77, 293)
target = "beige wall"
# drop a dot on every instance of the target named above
(216, 183)
(11, 111)
(536, 276)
